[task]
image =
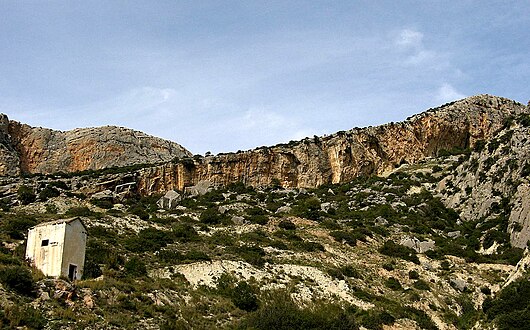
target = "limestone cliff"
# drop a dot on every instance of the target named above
(494, 183)
(26, 149)
(344, 155)
(9, 158)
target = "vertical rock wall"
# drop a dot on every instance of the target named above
(343, 156)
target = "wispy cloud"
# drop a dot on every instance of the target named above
(447, 93)
(408, 38)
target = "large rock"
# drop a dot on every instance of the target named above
(29, 149)
(417, 245)
(170, 200)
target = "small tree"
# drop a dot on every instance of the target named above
(135, 267)
(19, 279)
(25, 195)
(244, 298)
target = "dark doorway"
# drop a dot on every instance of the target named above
(72, 272)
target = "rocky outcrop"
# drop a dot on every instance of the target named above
(495, 182)
(26, 149)
(345, 155)
(9, 159)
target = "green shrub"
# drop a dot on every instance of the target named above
(259, 219)
(185, 232)
(436, 168)
(139, 211)
(393, 283)
(17, 227)
(26, 317)
(18, 278)
(421, 285)
(308, 246)
(485, 290)
(149, 239)
(25, 195)
(287, 225)
(524, 119)
(445, 265)
(388, 266)
(279, 312)
(80, 211)
(59, 184)
(211, 216)
(135, 267)
(48, 192)
(103, 203)
(252, 254)
(399, 251)
(308, 208)
(102, 233)
(413, 275)
(244, 297)
(343, 236)
(376, 319)
(7, 258)
(91, 269)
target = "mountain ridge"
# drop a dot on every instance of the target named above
(345, 155)
(30, 150)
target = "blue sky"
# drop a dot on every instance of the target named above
(226, 75)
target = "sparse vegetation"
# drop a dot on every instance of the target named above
(239, 257)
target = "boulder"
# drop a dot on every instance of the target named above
(417, 245)
(170, 200)
(201, 188)
(103, 195)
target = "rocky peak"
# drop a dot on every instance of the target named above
(29, 150)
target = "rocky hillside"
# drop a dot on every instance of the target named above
(438, 240)
(493, 183)
(28, 150)
(346, 155)
(373, 253)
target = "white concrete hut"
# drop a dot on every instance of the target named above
(57, 248)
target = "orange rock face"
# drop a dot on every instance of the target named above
(39, 150)
(343, 156)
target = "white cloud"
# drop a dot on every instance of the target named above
(447, 93)
(409, 39)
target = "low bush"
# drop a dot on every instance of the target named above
(510, 309)
(413, 275)
(287, 225)
(149, 239)
(135, 267)
(211, 216)
(25, 317)
(48, 192)
(184, 232)
(17, 227)
(244, 297)
(26, 195)
(103, 203)
(392, 249)
(421, 285)
(18, 279)
(280, 312)
(394, 284)
(139, 211)
(252, 254)
(80, 211)
(344, 236)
